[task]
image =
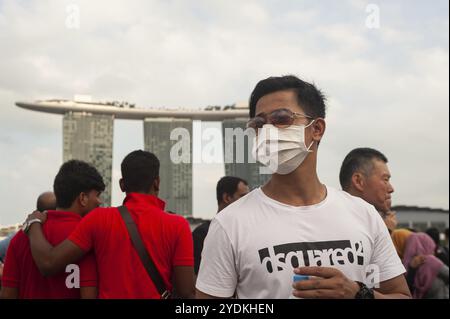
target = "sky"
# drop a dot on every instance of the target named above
(384, 69)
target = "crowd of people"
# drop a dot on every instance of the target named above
(252, 248)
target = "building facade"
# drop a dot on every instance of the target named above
(89, 137)
(421, 218)
(237, 153)
(176, 170)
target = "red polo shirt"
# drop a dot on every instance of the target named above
(167, 238)
(21, 272)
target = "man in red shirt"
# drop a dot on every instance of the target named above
(166, 237)
(77, 187)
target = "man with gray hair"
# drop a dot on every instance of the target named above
(365, 174)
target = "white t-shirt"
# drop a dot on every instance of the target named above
(254, 244)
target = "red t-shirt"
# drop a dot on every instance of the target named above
(21, 272)
(121, 274)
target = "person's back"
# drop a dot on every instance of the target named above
(430, 278)
(167, 239)
(228, 190)
(439, 288)
(21, 271)
(199, 235)
(166, 236)
(440, 251)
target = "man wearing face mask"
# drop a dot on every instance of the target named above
(294, 224)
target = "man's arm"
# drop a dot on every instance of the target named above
(395, 288)
(51, 260)
(330, 283)
(9, 293)
(201, 295)
(183, 282)
(217, 276)
(88, 292)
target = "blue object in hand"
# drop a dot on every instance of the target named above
(300, 278)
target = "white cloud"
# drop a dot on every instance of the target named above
(388, 87)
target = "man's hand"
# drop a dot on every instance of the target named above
(417, 261)
(37, 215)
(390, 219)
(327, 283)
(1, 270)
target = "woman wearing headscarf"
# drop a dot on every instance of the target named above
(431, 275)
(399, 237)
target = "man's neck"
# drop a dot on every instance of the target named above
(221, 207)
(354, 192)
(151, 192)
(299, 188)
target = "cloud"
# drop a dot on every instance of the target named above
(31, 172)
(387, 87)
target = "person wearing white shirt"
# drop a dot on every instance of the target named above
(294, 224)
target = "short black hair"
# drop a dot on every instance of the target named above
(309, 97)
(75, 177)
(434, 234)
(139, 171)
(358, 159)
(228, 185)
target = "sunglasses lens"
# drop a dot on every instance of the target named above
(256, 123)
(282, 118)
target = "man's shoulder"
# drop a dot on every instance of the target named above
(352, 201)
(19, 239)
(103, 211)
(202, 228)
(244, 206)
(173, 219)
(360, 209)
(56, 219)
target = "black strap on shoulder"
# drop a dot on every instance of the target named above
(146, 260)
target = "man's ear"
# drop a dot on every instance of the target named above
(358, 181)
(226, 198)
(156, 183)
(122, 185)
(83, 199)
(318, 129)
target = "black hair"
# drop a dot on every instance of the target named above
(309, 97)
(139, 171)
(358, 159)
(75, 177)
(434, 234)
(228, 185)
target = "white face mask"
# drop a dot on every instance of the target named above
(282, 150)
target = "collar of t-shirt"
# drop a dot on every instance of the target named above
(57, 214)
(143, 200)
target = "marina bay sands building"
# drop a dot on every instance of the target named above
(88, 135)
(176, 188)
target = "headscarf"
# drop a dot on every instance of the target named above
(420, 244)
(399, 237)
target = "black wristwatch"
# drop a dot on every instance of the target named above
(364, 292)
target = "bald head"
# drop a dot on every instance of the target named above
(46, 201)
